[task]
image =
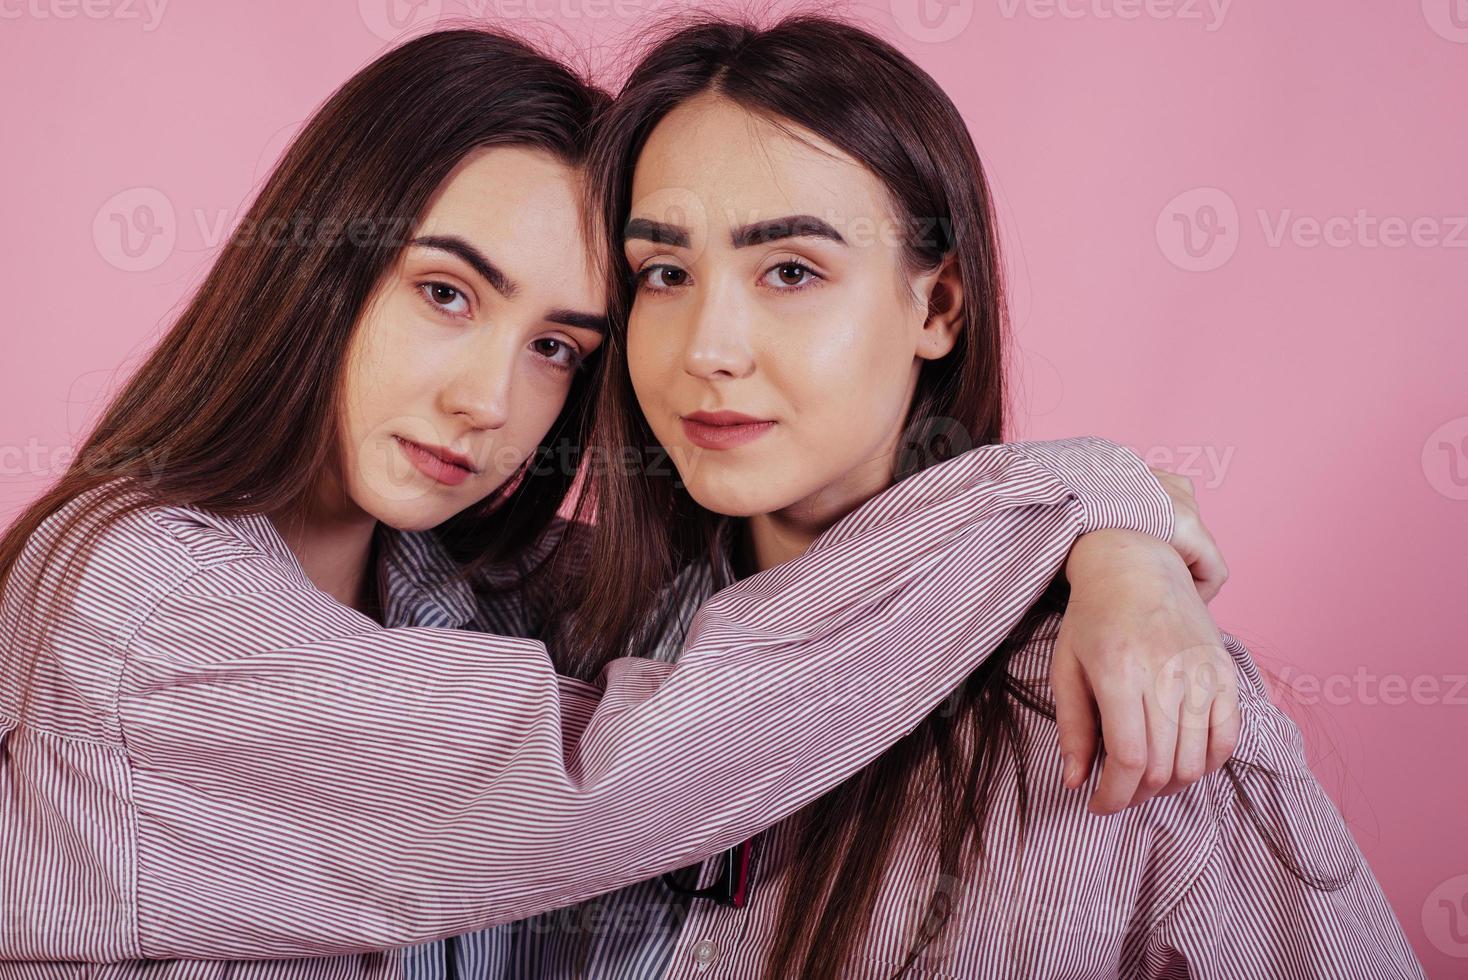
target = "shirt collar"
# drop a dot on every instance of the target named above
(423, 583)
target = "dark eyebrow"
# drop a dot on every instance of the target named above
(503, 284)
(656, 232)
(793, 226)
(574, 318)
(476, 259)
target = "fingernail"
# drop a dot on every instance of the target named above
(1068, 776)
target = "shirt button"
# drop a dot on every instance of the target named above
(705, 952)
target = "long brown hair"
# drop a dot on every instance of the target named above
(862, 95)
(237, 408)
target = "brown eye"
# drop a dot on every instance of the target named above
(558, 352)
(789, 276)
(659, 278)
(447, 298)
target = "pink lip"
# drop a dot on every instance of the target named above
(436, 464)
(723, 430)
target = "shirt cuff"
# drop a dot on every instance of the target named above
(1112, 484)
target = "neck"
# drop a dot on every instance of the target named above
(333, 544)
(787, 533)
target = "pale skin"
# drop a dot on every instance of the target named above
(816, 330)
(466, 345)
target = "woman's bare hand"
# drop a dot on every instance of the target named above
(1139, 667)
(1190, 537)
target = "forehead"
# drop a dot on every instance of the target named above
(713, 162)
(524, 209)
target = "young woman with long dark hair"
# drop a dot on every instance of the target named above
(812, 286)
(252, 701)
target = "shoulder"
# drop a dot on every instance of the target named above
(84, 583)
(109, 555)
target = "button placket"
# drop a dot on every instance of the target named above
(713, 932)
(695, 928)
(708, 938)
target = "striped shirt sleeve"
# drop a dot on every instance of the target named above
(298, 781)
(1113, 487)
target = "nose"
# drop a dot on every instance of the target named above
(480, 390)
(718, 345)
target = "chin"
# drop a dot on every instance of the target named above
(736, 498)
(403, 504)
(406, 516)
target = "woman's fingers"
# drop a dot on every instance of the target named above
(1202, 683)
(1207, 566)
(1075, 716)
(1191, 758)
(1204, 559)
(1162, 740)
(1191, 537)
(1138, 637)
(1124, 737)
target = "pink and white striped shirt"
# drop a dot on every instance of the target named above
(1180, 886)
(219, 762)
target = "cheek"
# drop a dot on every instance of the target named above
(648, 358)
(395, 350)
(538, 394)
(853, 361)
(372, 373)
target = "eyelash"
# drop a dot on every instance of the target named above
(815, 278)
(573, 362)
(425, 290)
(574, 359)
(640, 283)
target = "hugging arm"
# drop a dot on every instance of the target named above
(326, 786)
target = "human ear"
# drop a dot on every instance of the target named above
(945, 312)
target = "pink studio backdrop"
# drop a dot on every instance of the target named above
(1238, 237)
